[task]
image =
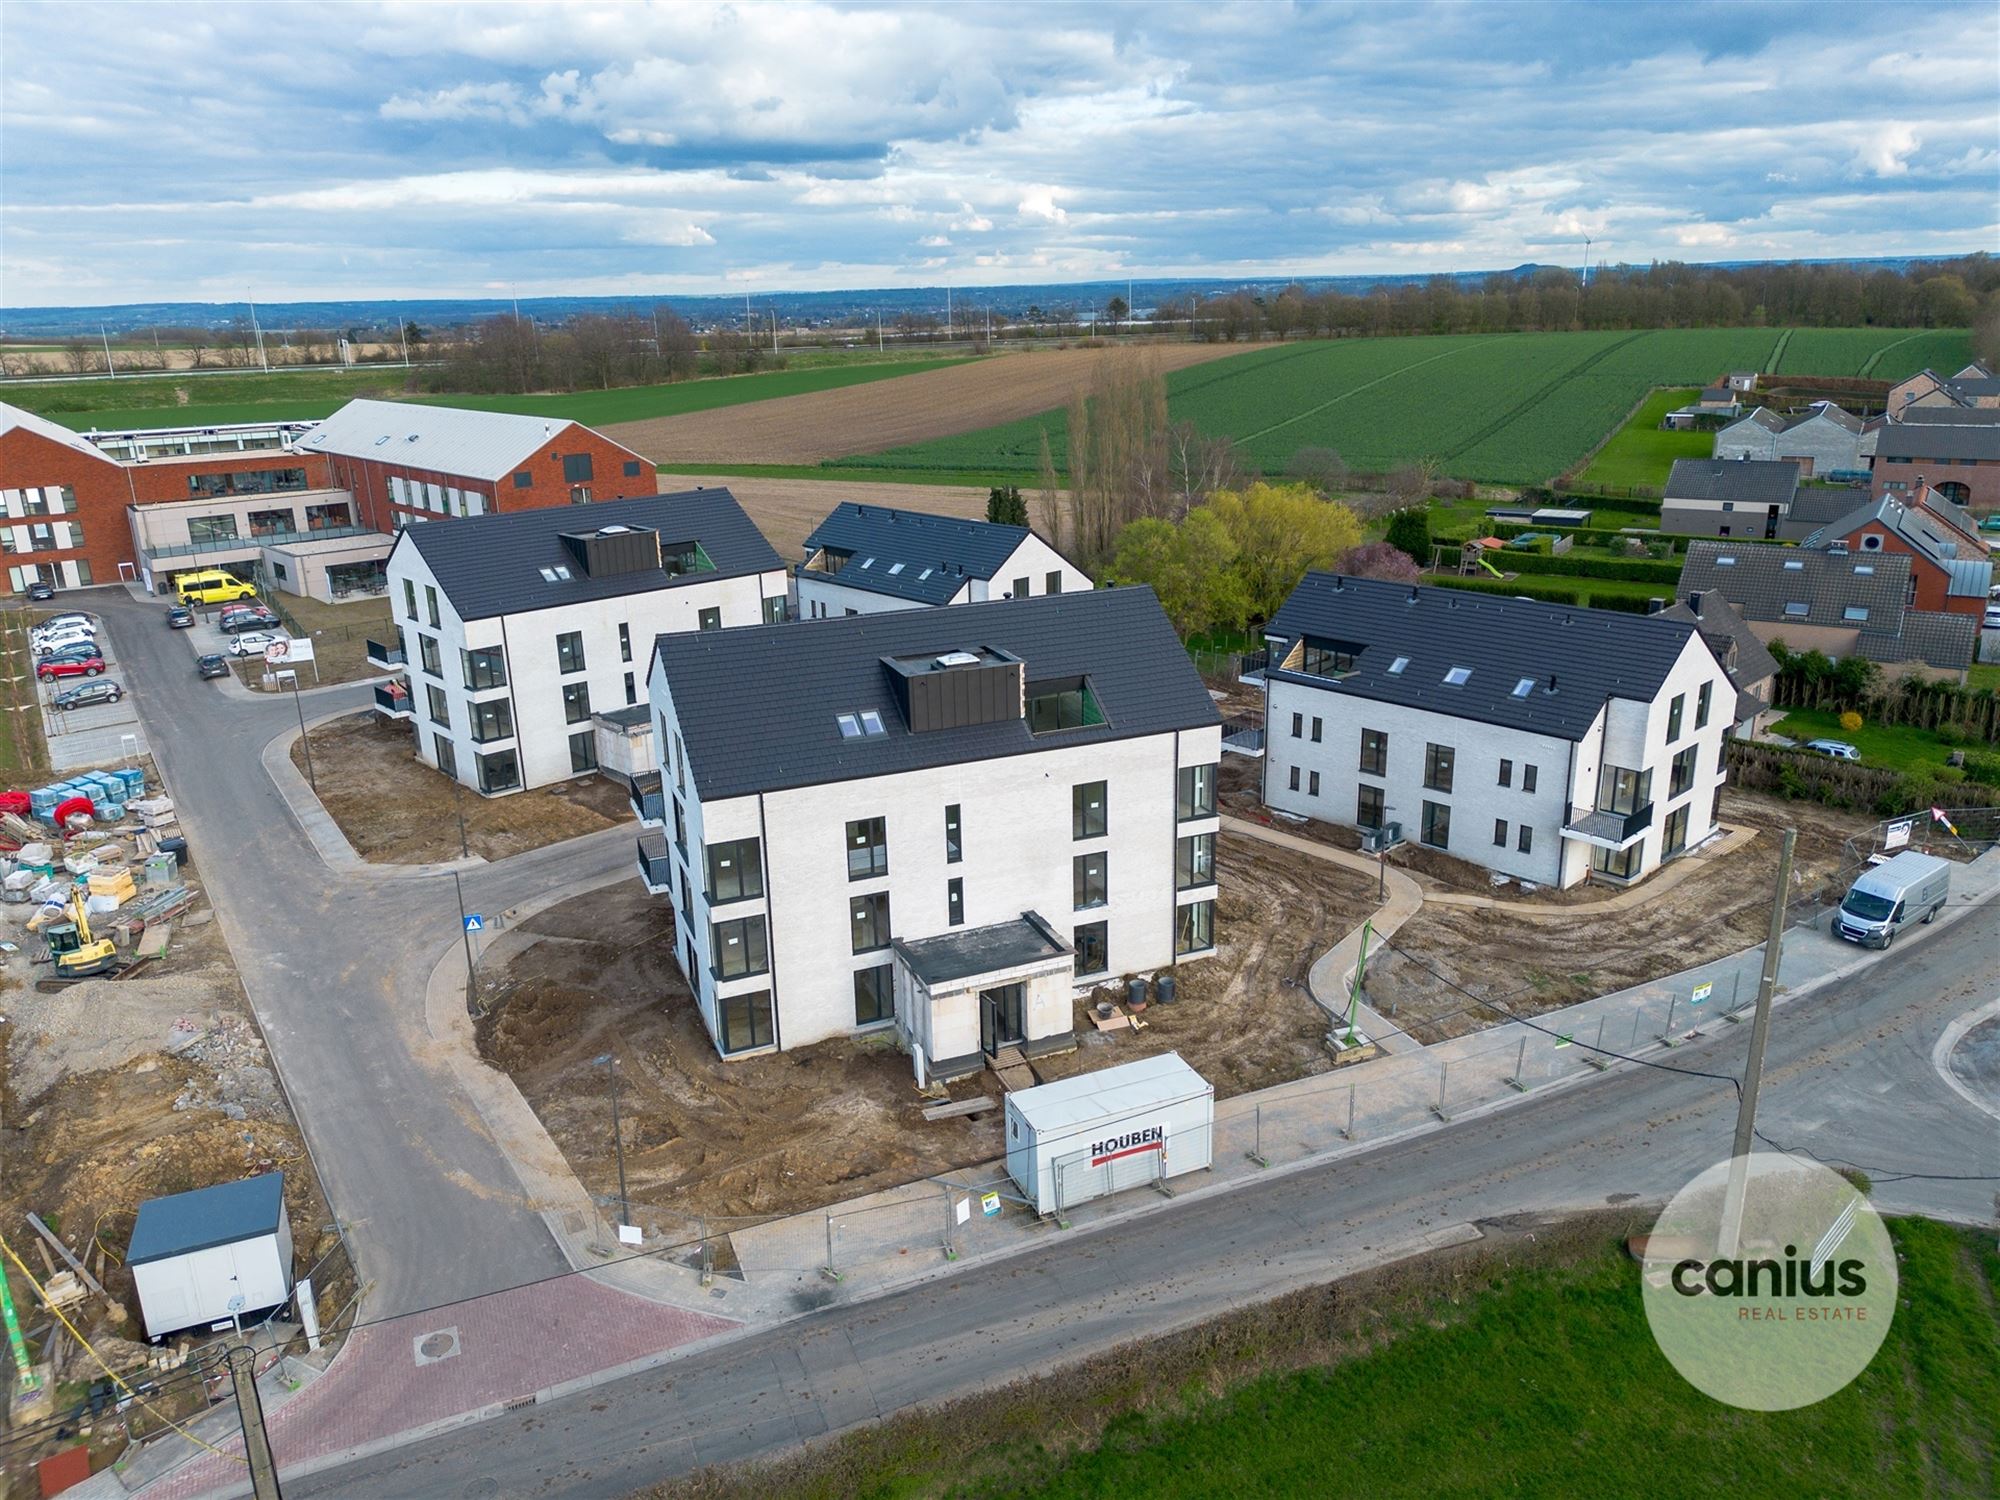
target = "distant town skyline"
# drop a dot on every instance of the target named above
(383, 151)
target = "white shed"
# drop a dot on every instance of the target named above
(1100, 1133)
(192, 1255)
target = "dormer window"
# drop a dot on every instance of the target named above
(1324, 658)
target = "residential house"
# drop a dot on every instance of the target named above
(406, 462)
(1545, 742)
(1973, 386)
(1752, 669)
(937, 823)
(518, 630)
(1960, 460)
(1728, 497)
(1949, 568)
(866, 559)
(1840, 604)
(1741, 380)
(1823, 440)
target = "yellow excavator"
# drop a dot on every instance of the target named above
(76, 954)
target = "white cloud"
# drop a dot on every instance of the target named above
(1888, 151)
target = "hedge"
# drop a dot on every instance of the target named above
(1546, 593)
(1631, 569)
(1805, 776)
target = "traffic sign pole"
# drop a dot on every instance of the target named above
(465, 931)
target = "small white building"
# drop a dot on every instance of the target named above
(1100, 1133)
(868, 559)
(198, 1259)
(1545, 742)
(943, 823)
(517, 629)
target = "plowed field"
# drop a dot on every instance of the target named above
(889, 414)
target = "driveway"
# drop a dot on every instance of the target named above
(336, 967)
(102, 733)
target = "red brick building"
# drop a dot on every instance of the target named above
(1960, 460)
(65, 501)
(407, 462)
(1950, 572)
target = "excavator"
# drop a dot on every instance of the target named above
(76, 954)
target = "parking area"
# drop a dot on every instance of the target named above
(95, 734)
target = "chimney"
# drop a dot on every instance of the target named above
(1413, 594)
(1654, 606)
(1339, 583)
(1552, 683)
(1694, 603)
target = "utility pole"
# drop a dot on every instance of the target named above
(947, 310)
(880, 346)
(610, 1060)
(403, 333)
(465, 931)
(113, 369)
(258, 333)
(458, 806)
(250, 1412)
(1753, 1069)
(774, 330)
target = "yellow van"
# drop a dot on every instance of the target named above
(212, 586)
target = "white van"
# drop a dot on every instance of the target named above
(1911, 887)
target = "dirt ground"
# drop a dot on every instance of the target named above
(396, 810)
(786, 1133)
(786, 510)
(1538, 965)
(888, 414)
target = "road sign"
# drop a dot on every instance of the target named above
(989, 1204)
(1703, 990)
(474, 922)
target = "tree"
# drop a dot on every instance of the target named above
(1115, 311)
(1410, 533)
(1005, 507)
(680, 354)
(79, 356)
(1198, 466)
(1379, 560)
(412, 334)
(1117, 454)
(1281, 532)
(1189, 566)
(1322, 468)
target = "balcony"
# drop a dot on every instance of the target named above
(656, 868)
(388, 658)
(1610, 830)
(1251, 665)
(249, 543)
(647, 801)
(392, 701)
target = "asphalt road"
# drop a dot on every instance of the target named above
(1849, 1076)
(336, 967)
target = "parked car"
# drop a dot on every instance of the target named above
(1993, 617)
(249, 619)
(212, 586)
(50, 645)
(1833, 749)
(180, 617)
(1991, 523)
(40, 589)
(211, 665)
(253, 642)
(69, 666)
(61, 625)
(72, 617)
(81, 652)
(86, 693)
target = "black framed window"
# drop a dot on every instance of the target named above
(631, 690)
(1680, 775)
(427, 652)
(874, 994)
(1620, 789)
(1090, 879)
(1089, 812)
(709, 619)
(624, 641)
(1194, 927)
(1437, 825)
(1194, 860)
(954, 901)
(1527, 778)
(867, 848)
(1674, 710)
(447, 755)
(739, 948)
(523, 479)
(1312, 783)
(1701, 703)
(1053, 583)
(1368, 806)
(1292, 783)
(1298, 726)
(954, 841)
(1506, 773)
(1620, 864)
(774, 610)
(583, 751)
(1374, 753)
(1092, 943)
(577, 468)
(569, 651)
(483, 669)
(576, 702)
(1319, 725)
(500, 771)
(735, 871)
(1439, 761)
(1499, 833)
(431, 604)
(1526, 842)
(1674, 837)
(744, 1021)
(491, 721)
(869, 921)
(1194, 793)
(1020, 588)
(633, 468)
(440, 705)
(409, 598)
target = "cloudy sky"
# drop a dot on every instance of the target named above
(208, 152)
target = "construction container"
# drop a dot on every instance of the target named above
(1099, 1133)
(198, 1259)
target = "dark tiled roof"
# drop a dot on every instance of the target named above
(1925, 440)
(206, 1217)
(1752, 481)
(1936, 640)
(1982, 386)
(1816, 506)
(1746, 659)
(491, 565)
(1592, 654)
(1934, 538)
(1758, 582)
(1949, 416)
(932, 555)
(758, 706)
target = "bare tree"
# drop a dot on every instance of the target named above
(1198, 466)
(680, 355)
(80, 358)
(1322, 468)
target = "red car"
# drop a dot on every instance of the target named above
(81, 666)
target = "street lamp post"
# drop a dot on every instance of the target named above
(458, 806)
(610, 1060)
(291, 675)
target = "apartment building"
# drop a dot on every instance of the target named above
(869, 559)
(1547, 743)
(516, 631)
(936, 823)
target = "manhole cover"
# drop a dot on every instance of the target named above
(432, 1347)
(483, 1488)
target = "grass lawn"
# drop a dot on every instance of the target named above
(1641, 452)
(340, 633)
(1984, 675)
(1529, 1375)
(24, 754)
(1898, 746)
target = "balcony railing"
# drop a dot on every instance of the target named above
(656, 868)
(256, 539)
(386, 657)
(647, 800)
(1610, 830)
(393, 700)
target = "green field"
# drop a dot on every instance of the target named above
(1899, 747)
(308, 395)
(1641, 452)
(1511, 408)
